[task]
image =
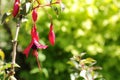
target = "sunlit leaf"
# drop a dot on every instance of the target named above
(88, 61)
(35, 70)
(83, 74)
(2, 54)
(56, 10)
(26, 8)
(49, 1)
(24, 20)
(8, 65)
(97, 68)
(6, 17)
(71, 63)
(62, 6)
(45, 72)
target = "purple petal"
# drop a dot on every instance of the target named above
(40, 46)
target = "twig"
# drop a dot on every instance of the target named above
(42, 6)
(0, 9)
(12, 72)
(49, 4)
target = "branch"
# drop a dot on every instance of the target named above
(49, 4)
(0, 9)
(12, 72)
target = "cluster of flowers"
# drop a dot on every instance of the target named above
(34, 44)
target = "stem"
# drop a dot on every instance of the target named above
(86, 77)
(15, 43)
(42, 6)
(0, 9)
(45, 5)
(15, 48)
(49, 16)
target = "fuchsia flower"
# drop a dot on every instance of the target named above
(34, 15)
(51, 35)
(16, 8)
(34, 44)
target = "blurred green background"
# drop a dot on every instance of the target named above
(90, 26)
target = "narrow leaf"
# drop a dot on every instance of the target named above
(8, 65)
(62, 6)
(5, 17)
(2, 54)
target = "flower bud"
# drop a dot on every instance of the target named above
(34, 15)
(16, 8)
(51, 35)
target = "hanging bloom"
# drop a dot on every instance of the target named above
(16, 8)
(34, 44)
(51, 35)
(34, 15)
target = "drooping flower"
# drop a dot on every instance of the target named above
(51, 35)
(34, 15)
(16, 8)
(34, 44)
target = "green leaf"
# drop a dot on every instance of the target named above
(24, 20)
(89, 61)
(56, 10)
(45, 72)
(35, 70)
(2, 56)
(49, 1)
(62, 6)
(1, 76)
(6, 17)
(8, 65)
(26, 8)
(72, 63)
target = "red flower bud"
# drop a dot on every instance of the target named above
(16, 8)
(17, 1)
(34, 15)
(51, 35)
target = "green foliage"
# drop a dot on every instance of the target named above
(90, 26)
(4, 68)
(84, 68)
